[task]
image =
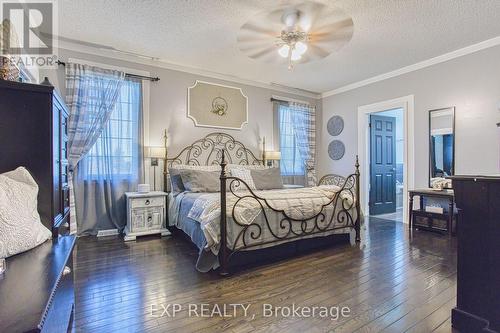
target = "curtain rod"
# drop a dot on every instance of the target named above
(135, 76)
(279, 100)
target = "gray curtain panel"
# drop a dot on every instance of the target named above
(91, 94)
(113, 166)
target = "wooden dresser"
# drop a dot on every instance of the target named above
(36, 291)
(478, 271)
(33, 134)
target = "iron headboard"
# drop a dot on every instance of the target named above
(208, 151)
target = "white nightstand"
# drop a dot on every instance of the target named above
(146, 214)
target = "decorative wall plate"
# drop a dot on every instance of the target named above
(336, 150)
(216, 105)
(335, 125)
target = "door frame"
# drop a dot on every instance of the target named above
(407, 104)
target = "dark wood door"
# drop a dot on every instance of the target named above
(382, 165)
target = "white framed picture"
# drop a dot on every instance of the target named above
(217, 106)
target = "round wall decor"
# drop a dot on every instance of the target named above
(336, 150)
(335, 125)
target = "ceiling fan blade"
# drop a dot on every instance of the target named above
(256, 54)
(310, 12)
(254, 28)
(331, 28)
(315, 52)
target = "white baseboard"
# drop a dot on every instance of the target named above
(107, 232)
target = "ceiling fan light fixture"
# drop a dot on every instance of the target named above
(300, 47)
(283, 51)
(296, 55)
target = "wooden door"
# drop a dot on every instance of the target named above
(382, 165)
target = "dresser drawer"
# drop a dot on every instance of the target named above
(147, 202)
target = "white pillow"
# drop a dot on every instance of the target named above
(20, 225)
(246, 167)
(215, 167)
(246, 176)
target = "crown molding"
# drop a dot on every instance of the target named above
(159, 63)
(419, 65)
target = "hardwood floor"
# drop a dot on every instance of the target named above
(390, 282)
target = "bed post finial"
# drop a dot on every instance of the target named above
(357, 165)
(223, 251)
(357, 225)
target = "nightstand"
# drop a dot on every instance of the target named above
(146, 214)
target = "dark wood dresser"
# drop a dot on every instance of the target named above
(478, 271)
(36, 291)
(33, 134)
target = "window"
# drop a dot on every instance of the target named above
(291, 162)
(116, 151)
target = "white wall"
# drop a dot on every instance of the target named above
(168, 102)
(471, 83)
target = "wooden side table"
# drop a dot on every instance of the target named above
(146, 214)
(430, 217)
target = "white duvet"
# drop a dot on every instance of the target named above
(300, 204)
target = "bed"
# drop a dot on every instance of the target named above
(239, 223)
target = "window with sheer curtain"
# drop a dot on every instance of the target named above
(291, 163)
(116, 153)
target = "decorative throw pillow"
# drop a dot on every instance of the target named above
(200, 181)
(268, 179)
(20, 225)
(175, 180)
(243, 174)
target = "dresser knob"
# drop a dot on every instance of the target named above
(147, 202)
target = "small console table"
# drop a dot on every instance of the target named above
(429, 220)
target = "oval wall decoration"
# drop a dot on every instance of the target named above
(335, 125)
(336, 150)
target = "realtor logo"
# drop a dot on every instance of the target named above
(27, 31)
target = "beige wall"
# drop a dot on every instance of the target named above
(168, 102)
(471, 83)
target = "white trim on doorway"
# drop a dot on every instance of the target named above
(407, 104)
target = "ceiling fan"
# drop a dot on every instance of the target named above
(296, 33)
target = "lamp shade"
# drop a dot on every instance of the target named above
(156, 152)
(273, 155)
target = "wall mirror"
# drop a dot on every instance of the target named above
(442, 146)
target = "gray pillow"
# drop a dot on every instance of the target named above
(200, 181)
(176, 180)
(267, 179)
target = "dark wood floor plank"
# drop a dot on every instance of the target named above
(390, 281)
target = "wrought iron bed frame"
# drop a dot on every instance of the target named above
(221, 148)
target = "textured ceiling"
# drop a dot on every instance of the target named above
(388, 34)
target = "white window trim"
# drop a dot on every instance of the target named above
(407, 104)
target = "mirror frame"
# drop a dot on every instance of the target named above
(452, 108)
